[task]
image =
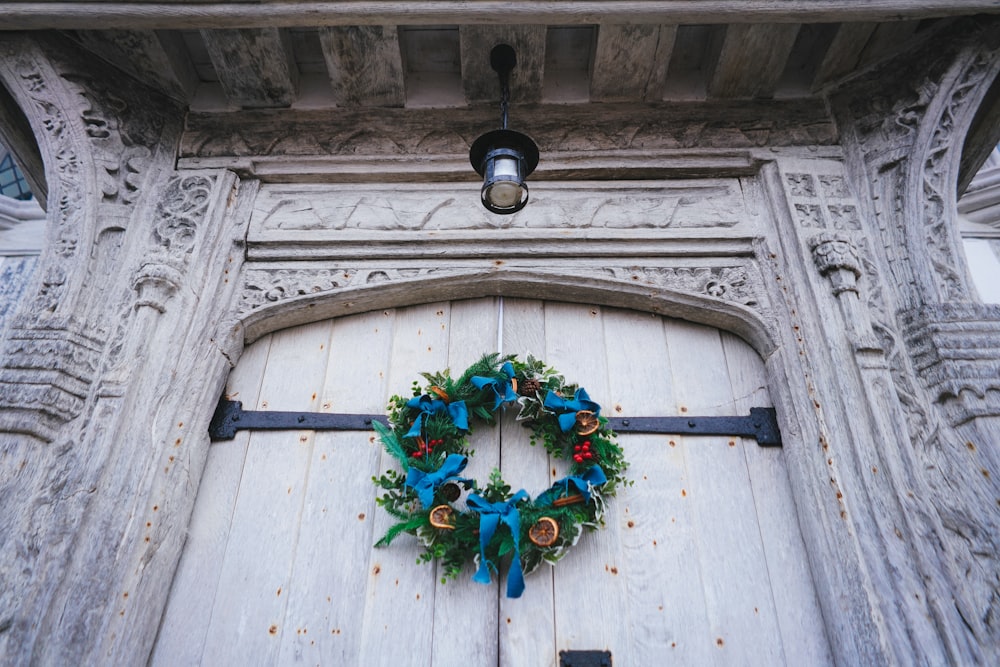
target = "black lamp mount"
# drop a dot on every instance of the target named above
(504, 158)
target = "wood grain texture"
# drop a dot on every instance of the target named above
(248, 614)
(184, 629)
(526, 624)
(844, 52)
(481, 82)
(589, 606)
(796, 605)
(395, 580)
(630, 62)
(464, 625)
(139, 14)
(365, 65)
(662, 581)
(329, 577)
(735, 577)
(752, 60)
(659, 583)
(158, 58)
(256, 67)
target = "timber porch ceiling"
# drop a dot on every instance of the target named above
(250, 67)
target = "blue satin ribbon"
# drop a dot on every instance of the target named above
(430, 406)
(594, 476)
(491, 515)
(502, 390)
(566, 410)
(426, 483)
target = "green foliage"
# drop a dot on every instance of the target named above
(456, 548)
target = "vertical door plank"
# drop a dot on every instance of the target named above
(526, 629)
(802, 631)
(329, 576)
(662, 581)
(248, 615)
(189, 608)
(589, 607)
(465, 613)
(399, 602)
(737, 587)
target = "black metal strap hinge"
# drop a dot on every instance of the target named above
(230, 417)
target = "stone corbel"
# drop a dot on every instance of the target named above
(837, 260)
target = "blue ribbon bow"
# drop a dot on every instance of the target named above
(491, 515)
(426, 483)
(594, 476)
(567, 409)
(502, 390)
(430, 406)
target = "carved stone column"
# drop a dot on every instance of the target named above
(111, 364)
(904, 126)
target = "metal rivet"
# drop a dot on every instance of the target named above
(302, 418)
(624, 422)
(691, 423)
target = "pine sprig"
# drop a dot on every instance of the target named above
(391, 443)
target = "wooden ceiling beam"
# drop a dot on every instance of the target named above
(630, 62)
(752, 60)
(256, 67)
(137, 14)
(158, 58)
(844, 52)
(365, 65)
(480, 80)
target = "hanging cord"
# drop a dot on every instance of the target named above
(500, 326)
(504, 98)
(503, 59)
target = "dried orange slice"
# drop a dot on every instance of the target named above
(441, 393)
(544, 532)
(443, 517)
(586, 422)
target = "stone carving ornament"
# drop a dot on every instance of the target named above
(937, 344)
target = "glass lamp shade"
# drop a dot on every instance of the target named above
(504, 159)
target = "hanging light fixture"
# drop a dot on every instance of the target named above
(504, 158)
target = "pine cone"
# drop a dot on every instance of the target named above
(529, 387)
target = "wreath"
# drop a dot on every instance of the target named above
(428, 435)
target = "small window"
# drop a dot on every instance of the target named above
(12, 183)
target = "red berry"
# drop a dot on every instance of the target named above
(588, 455)
(577, 448)
(586, 446)
(586, 443)
(578, 458)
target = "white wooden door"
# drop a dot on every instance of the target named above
(701, 562)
